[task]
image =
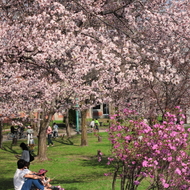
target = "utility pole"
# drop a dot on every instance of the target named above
(77, 119)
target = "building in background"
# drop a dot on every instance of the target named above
(99, 111)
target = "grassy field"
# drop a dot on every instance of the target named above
(74, 167)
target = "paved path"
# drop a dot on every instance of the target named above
(61, 132)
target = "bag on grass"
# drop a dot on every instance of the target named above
(31, 157)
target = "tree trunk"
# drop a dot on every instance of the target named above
(99, 139)
(115, 176)
(68, 129)
(38, 122)
(42, 144)
(84, 128)
(1, 134)
(42, 141)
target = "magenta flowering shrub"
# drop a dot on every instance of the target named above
(157, 153)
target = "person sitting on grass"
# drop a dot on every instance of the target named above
(25, 153)
(46, 181)
(22, 173)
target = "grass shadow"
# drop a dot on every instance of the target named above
(64, 141)
(9, 149)
(92, 161)
(67, 141)
(6, 184)
(67, 181)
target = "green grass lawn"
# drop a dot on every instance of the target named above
(74, 167)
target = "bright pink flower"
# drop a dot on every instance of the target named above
(155, 162)
(127, 138)
(178, 171)
(166, 185)
(145, 163)
(107, 174)
(136, 182)
(170, 159)
(155, 146)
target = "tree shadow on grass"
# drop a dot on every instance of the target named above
(14, 152)
(6, 184)
(9, 149)
(79, 180)
(65, 141)
(93, 161)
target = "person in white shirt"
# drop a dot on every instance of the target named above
(92, 124)
(29, 132)
(21, 173)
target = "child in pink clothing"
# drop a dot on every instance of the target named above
(46, 180)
